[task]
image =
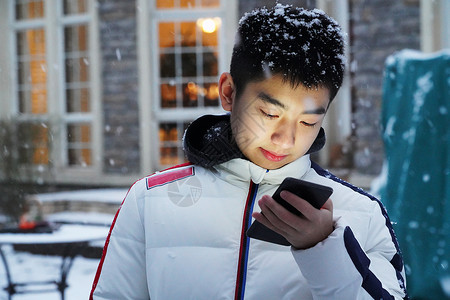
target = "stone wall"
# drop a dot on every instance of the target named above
(118, 32)
(379, 28)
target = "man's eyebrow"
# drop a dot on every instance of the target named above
(266, 98)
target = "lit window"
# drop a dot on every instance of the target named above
(33, 147)
(79, 144)
(66, 121)
(169, 142)
(77, 68)
(188, 63)
(32, 71)
(29, 9)
(74, 7)
(167, 4)
(77, 86)
(33, 143)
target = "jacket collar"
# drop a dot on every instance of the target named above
(241, 170)
(208, 142)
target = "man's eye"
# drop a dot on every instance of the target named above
(269, 116)
(308, 124)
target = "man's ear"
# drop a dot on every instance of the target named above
(226, 91)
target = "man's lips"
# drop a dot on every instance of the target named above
(272, 156)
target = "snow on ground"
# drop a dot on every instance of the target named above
(28, 267)
(108, 195)
(87, 218)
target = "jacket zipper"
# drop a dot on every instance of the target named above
(245, 242)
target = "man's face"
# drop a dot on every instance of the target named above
(274, 124)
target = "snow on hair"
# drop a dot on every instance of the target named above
(304, 46)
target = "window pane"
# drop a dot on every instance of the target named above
(171, 152)
(164, 3)
(29, 9)
(32, 101)
(210, 3)
(78, 100)
(79, 144)
(75, 6)
(34, 143)
(77, 70)
(188, 34)
(189, 64)
(187, 3)
(167, 65)
(210, 66)
(209, 33)
(31, 71)
(79, 157)
(211, 91)
(31, 42)
(76, 38)
(190, 94)
(168, 140)
(166, 34)
(168, 95)
(79, 133)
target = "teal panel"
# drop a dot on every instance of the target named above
(416, 135)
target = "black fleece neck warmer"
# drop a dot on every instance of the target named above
(208, 141)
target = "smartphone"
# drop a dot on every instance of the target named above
(314, 193)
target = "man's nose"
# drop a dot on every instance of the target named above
(284, 135)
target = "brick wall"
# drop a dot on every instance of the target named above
(120, 85)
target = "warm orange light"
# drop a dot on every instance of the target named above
(209, 25)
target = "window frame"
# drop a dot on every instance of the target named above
(338, 114)
(53, 22)
(434, 25)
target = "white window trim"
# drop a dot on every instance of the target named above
(56, 115)
(338, 122)
(150, 113)
(434, 25)
(6, 67)
(94, 173)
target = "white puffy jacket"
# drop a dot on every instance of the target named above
(180, 234)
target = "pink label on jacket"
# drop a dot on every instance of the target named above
(171, 176)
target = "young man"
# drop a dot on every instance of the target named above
(181, 233)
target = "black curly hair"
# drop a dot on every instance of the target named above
(304, 46)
